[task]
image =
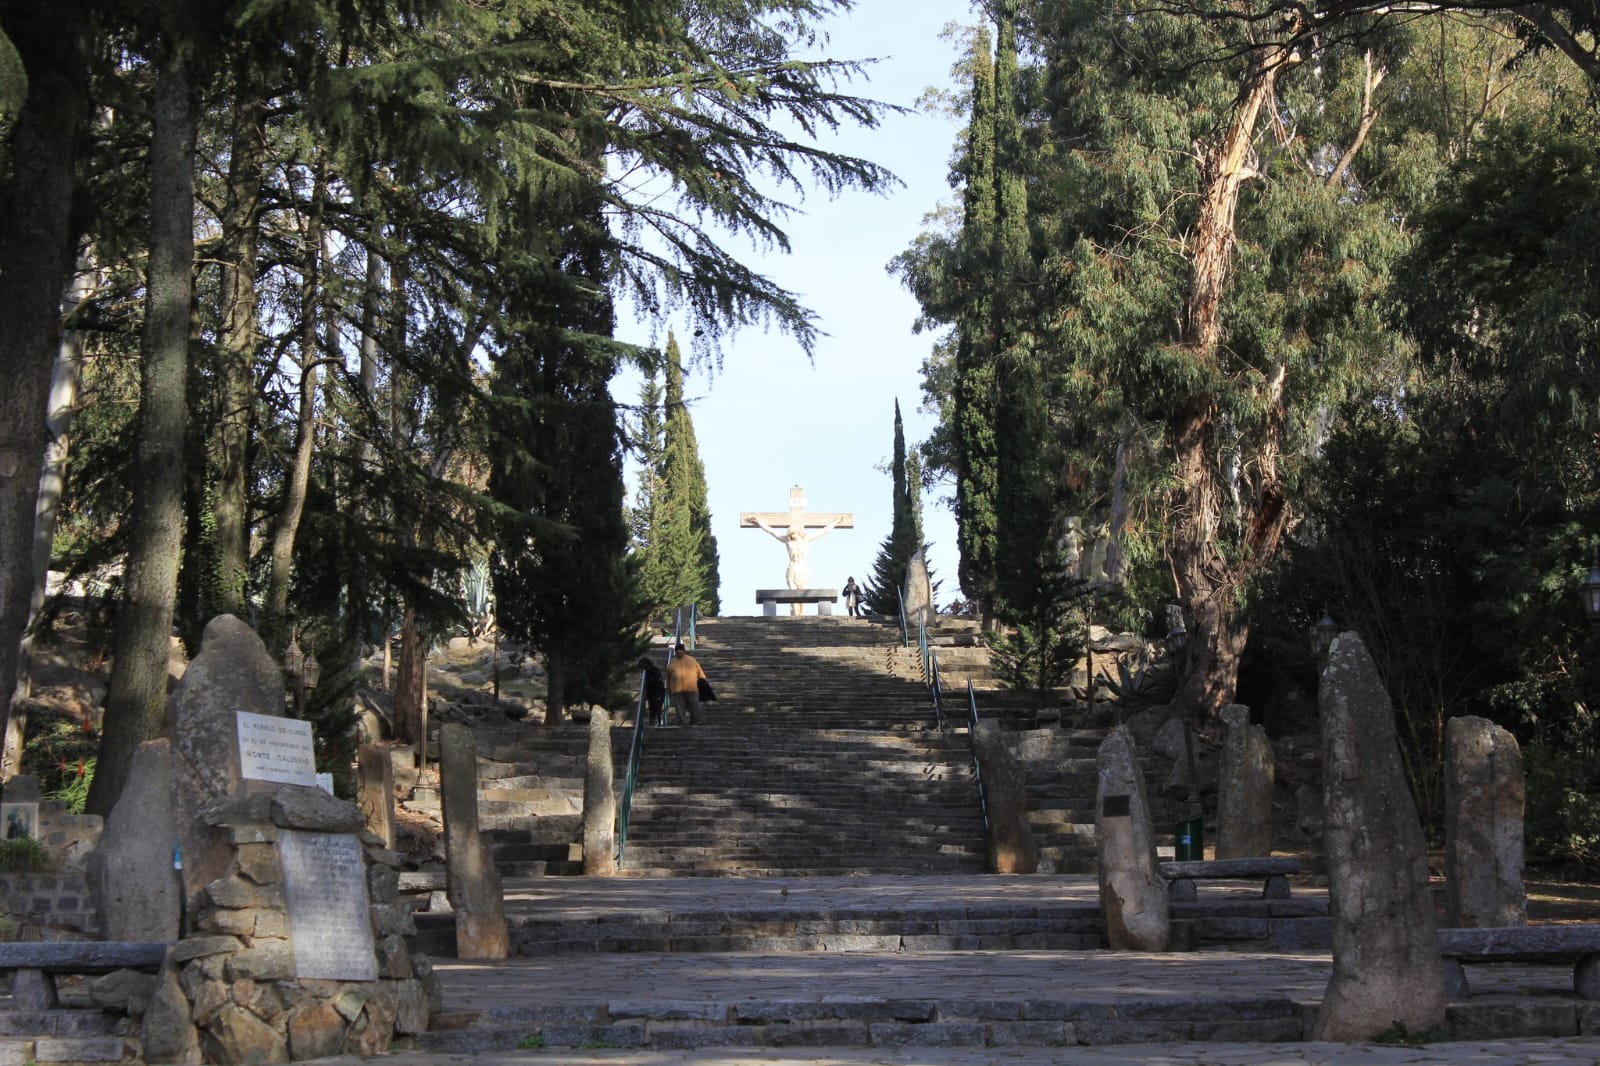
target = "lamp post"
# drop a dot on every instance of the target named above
(297, 666)
(1591, 591)
(1322, 635)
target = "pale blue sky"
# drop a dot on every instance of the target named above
(769, 420)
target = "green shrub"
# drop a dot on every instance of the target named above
(75, 791)
(22, 855)
(1563, 807)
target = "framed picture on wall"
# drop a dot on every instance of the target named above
(19, 820)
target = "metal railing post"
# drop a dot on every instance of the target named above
(631, 777)
(977, 770)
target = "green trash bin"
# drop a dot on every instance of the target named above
(1189, 841)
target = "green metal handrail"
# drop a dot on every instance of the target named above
(678, 630)
(977, 770)
(629, 779)
(905, 630)
(925, 651)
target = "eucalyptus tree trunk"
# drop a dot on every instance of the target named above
(137, 695)
(64, 382)
(36, 250)
(235, 361)
(1208, 582)
(294, 495)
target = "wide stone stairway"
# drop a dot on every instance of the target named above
(820, 756)
(805, 867)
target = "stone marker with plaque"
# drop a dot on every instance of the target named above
(276, 749)
(330, 924)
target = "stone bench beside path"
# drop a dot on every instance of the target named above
(1577, 944)
(35, 962)
(1275, 872)
(770, 598)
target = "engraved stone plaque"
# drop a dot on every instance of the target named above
(276, 749)
(330, 924)
(1116, 806)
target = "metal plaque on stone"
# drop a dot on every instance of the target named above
(1119, 806)
(276, 749)
(330, 922)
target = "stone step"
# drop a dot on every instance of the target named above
(69, 1051)
(59, 1022)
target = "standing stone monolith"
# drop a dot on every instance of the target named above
(918, 592)
(137, 891)
(1133, 895)
(1484, 790)
(1244, 802)
(1012, 849)
(1386, 967)
(471, 879)
(232, 673)
(599, 802)
(375, 791)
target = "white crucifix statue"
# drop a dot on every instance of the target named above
(796, 535)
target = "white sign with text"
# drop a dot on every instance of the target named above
(276, 749)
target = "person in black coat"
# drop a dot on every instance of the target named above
(655, 691)
(852, 598)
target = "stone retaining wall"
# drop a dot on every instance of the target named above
(48, 906)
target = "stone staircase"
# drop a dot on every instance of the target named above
(819, 757)
(820, 827)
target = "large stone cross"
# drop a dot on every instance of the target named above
(797, 520)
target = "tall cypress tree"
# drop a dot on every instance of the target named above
(973, 391)
(564, 582)
(1026, 501)
(673, 538)
(889, 571)
(685, 477)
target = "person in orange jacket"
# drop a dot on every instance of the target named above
(683, 684)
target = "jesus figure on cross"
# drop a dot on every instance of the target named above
(803, 528)
(798, 541)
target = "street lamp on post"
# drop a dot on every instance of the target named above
(312, 671)
(1177, 635)
(1322, 635)
(294, 665)
(1591, 591)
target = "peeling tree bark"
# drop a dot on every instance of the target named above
(1208, 582)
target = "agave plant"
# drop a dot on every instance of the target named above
(1142, 685)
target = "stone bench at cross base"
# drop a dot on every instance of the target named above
(1577, 944)
(770, 598)
(35, 963)
(1275, 872)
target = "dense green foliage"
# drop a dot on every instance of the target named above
(672, 524)
(888, 581)
(1303, 323)
(410, 222)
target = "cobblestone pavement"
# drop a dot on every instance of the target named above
(1566, 1052)
(1088, 977)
